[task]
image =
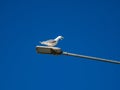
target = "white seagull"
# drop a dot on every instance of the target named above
(52, 42)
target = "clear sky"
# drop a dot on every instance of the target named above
(89, 27)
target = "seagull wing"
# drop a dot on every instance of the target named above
(50, 41)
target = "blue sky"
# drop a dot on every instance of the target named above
(89, 27)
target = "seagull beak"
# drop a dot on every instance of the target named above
(62, 38)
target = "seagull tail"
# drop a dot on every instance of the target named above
(42, 42)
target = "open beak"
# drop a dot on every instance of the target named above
(62, 38)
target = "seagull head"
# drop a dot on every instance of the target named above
(59, 38)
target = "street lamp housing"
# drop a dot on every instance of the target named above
(48, 50)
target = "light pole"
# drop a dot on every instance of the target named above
(58, 51)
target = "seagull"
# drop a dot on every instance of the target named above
(52, 42)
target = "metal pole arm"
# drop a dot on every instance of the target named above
(58, 51)
(90, 57)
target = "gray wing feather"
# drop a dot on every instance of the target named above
(50, 41)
